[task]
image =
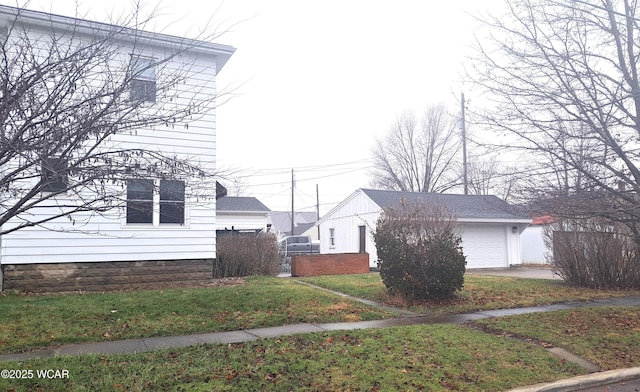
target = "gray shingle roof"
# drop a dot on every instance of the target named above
(247, 204)
(462, 206)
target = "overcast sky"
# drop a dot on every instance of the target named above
(319, 81)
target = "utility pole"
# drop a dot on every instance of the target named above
(292, 209)
(464, 147)
(318, 209)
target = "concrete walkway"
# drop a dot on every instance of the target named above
(538, 272)
(620, 378)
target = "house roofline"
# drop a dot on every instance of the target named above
(342, 203)
(459, 219)
(58, 22)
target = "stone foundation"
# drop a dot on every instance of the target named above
(106, 276)
(330, 264)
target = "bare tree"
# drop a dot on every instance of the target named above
(482, 174)
(418, 155)
(72, 93)
(488, 176)
(561, 85)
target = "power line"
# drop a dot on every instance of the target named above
(284, 182)
(265, 172)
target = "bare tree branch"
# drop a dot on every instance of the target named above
(561, 84)
(418, 155)
(77, 119)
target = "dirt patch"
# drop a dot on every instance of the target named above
(225, 282)
(217, 282)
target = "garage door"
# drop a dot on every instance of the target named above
(485, 245)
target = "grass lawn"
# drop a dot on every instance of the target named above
(34, 321)
(609, 337)
(429, 358)
(479, 293)
(433, 358)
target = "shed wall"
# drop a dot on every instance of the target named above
(534, 251)
(239, 221)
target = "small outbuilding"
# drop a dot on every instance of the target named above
(490, 227)
(244, 214)
(534, 249)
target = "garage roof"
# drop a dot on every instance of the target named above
(462, 206)
(240, 204)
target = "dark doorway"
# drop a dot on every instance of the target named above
(363, 238)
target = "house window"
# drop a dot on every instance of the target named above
(143, 79)
(144, 195)
(332, 238)
(171, 201)
(54, 175)
(139, 201)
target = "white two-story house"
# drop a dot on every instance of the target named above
(159, 229)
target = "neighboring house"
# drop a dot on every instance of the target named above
(155, 228)
(534, 250)
(490, 229)
(280, 222)
(244, 214)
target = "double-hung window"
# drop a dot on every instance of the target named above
(171, 201)
(139, 201)
(143, 79)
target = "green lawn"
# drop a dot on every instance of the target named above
(487, 355)
(261, 302)
(479, 293)
(429, 358)
(34, 321)
(609, 337)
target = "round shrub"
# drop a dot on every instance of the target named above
(419, 252)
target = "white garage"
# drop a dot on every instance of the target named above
(490, 226)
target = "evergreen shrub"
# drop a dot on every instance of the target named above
(419, 252)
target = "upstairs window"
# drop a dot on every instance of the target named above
(139, 201)
(171, 201)
(54, 174)
(143, 79)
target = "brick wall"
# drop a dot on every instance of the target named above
(330, 264)
(106, 276)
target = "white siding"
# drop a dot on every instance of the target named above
(356, 211)
(241, 221)
(534, 251)
(109, 238)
